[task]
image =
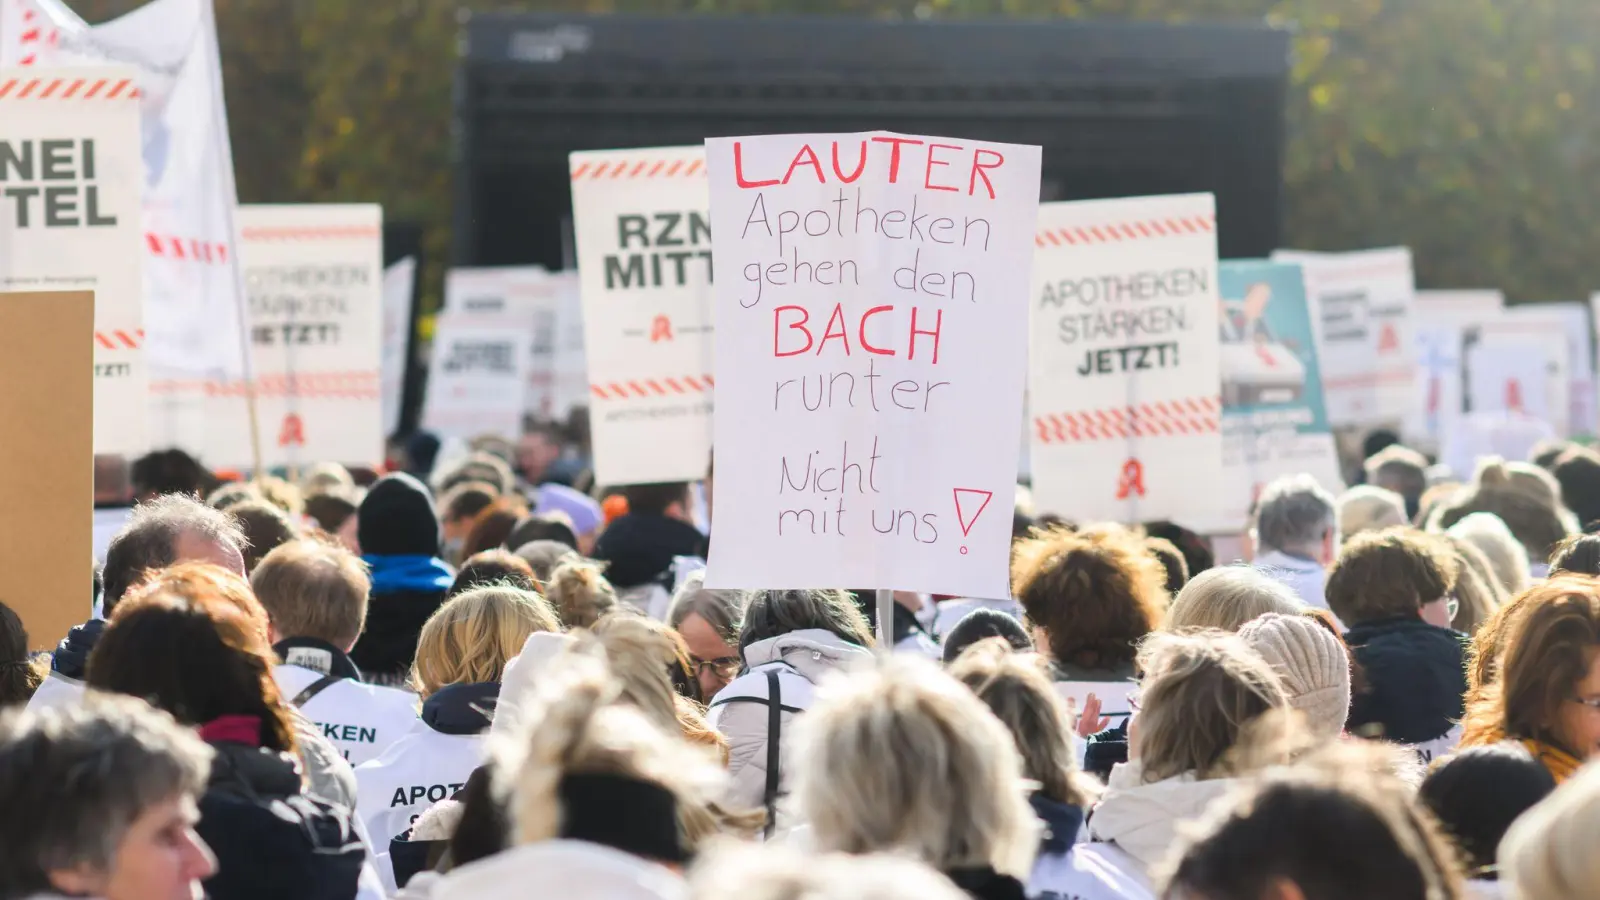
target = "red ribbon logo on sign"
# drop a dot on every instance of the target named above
(292, 432)
(1132, 480)
(661, 329)
(1514, 395)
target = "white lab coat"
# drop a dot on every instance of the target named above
(361, 720)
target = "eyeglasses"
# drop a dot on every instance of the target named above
(1591, 702)
(1452, 605)
(724, 667)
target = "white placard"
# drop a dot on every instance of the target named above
(399, 282)
(1440, 322)
(314, 279)
(523, 298)
(70, 180)
(1364, 301)
(1521, 375)
(1125, 376)
(478, 377)
(1572, 321)
(193, 286)
(571, 388)
(871, 338)
(644, 257)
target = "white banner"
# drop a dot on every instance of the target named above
(399, 281)
(1126, 370)
(644, 257)
(871, 338)
(477, 378)
(69, 220)
(314, 279)
(193, 286)
(1364, 301)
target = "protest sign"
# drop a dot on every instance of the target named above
(644, 257)
(314, 280)
(571, 383)
(524, 299)
(478, 377)
(69, 220)
(1518, 366)
(1126, 360)
(1571, 320)
(1363, 301)
(399, 281)
(193, 287)
(1273, 419)
(871, 337)
(47, 462)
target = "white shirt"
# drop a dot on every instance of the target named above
(362, 720)
(1089, 872)
(1304, 576)
(420, 769)
(56, 691)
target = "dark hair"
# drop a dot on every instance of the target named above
(330, 511)
(654, 499)
(1377, 441)
(1545, 453)
(1402, 470)
(769, 614)
(494, 567)
(1096, 595)
(195, 656)
(1477, 793)
(493, 525)
(1578, 554)
(544, 557)
(1196, 550)
(1578, 471)
(479, 466)
(19, 676)
(981, 624)
(466, 500)
(541, 527)
(1389, 573)
(170, 472)
(266, 528)
(149, 540)
(485, 826)
(1171, 560)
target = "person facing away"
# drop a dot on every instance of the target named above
(315, 595)
(169, 529)
(639, 546)
(398, 530)
(1296, 535)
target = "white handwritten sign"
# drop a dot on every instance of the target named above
(871, 332)
(1125, 380)
(644, 257)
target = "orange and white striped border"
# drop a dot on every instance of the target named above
(68, 89)
(119, 340)
(1120, 232)
(320, 233)
(653, 387)
(355, 385)
(1155, 419)
(169, 246)
(639, 168)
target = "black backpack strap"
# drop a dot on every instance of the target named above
(313, 689)
(774, 737)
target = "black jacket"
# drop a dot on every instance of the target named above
(72, 654)
(1416, 679)
(271, 840)
(987, 884)
(388, 643)
(640, 548)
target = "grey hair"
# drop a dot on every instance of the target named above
(1294, 513)
(150, 540)
(905, 759)
(769, 614)
(1226, 598)
(1369, 508)
(722, 610)
(741, 871)
(87, 772)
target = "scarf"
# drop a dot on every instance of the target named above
(413, 574)
(1562, 765)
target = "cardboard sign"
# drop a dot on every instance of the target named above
(871, 338)
(69, 220)
(399, 281)
(1126, 361)
(1364, 301)
(477, 378)
(47, 463)
(1273, 418)
(644, 257)
(314, 274)
(193, 287)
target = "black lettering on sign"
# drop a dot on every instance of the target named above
(481, 356)
(51, 184)
(1136, 358)
(295, 334)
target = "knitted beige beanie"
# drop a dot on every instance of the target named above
(1314, 666)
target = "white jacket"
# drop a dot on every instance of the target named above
(1090, 872)
(1303, 576)
(56, 691)
(575, 869)
(417, 771)
(361, 720)
(799, 659)
(1142, 819)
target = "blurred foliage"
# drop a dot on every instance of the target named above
(1464, 128)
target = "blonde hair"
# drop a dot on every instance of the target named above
(1477, 589)
(1368, 508)
(326, 477)
(638, 656)
(1226, 598)
(737, 871)
(904, 759)
(577, 726)
(470, 638)
(1548, 853)
(1199, 694)
(579, 593)
(314, 589)
(1017, 690)
(1507, 558)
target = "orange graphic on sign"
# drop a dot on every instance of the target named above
(1132, 480)
(293, 431)
(1388, 340)
(661, 329)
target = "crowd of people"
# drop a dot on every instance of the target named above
(482, 678)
